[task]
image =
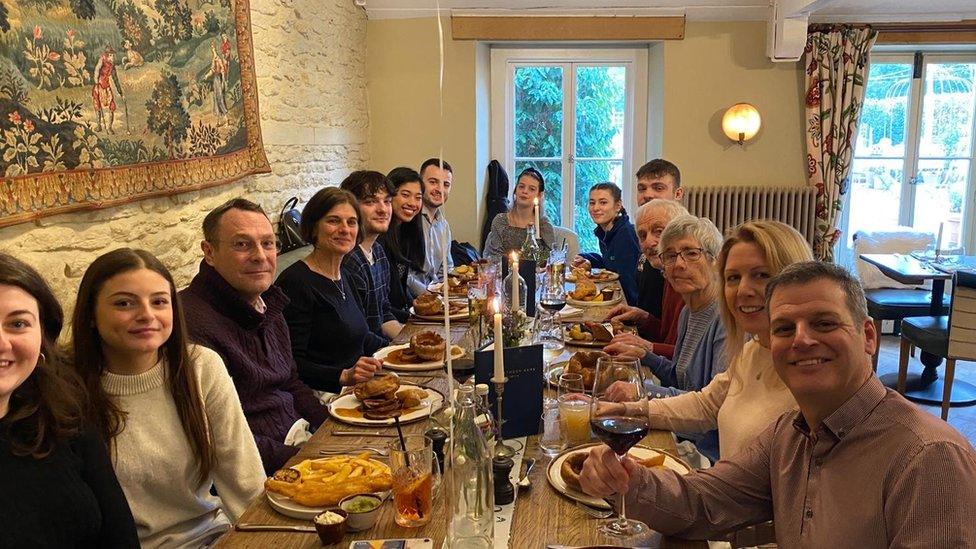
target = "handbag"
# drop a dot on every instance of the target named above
(288, 221)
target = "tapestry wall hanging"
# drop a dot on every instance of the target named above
(103, 102)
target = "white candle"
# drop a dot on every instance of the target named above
(515, 281)
(499, 346)
(535, 209)
(445, 287)
(938, 242)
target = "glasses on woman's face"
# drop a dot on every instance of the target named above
(690, 255)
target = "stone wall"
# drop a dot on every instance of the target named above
(311, 66)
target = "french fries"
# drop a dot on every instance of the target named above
(323, 482)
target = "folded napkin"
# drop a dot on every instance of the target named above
(298, 434)
(570, 311)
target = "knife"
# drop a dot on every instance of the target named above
(273, 528)
(363, 434)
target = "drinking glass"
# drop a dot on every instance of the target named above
(477, 308)
(552, 299)
(618, 416)
(412, 480)
(551, 437)
(574, 409)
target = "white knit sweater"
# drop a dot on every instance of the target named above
(740, 413)
(155, 464)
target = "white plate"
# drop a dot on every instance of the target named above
(456, 316)
(577, 343)
(617, 298)
(611, 276)
(459, 292)
(290, 508)
(433, 403)
(456, 353)
(639, 452)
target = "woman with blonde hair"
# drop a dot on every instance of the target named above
(749, 395)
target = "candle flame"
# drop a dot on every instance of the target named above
(515, 256)
(495, 305)
(535, 201)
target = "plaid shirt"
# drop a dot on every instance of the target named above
(371, 284)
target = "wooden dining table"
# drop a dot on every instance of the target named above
(541, 516)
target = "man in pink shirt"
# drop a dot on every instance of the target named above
(856, 466)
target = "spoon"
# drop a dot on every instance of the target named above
(524, 482)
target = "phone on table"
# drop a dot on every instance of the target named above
(413, 543)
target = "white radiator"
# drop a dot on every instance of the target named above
(730, 206)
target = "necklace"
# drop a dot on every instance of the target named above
(321, 271)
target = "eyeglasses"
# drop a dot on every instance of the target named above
(690, 255)
(245, 246)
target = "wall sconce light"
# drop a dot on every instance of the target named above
(741, 122)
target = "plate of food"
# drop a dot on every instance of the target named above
(596, 275)
(430, 306)
(379, 400)
(464, 273)
(308, 488)
(586, 294)
(588, 334)
(583, 363)
(425, 351)
(455, 287)
(564, 470)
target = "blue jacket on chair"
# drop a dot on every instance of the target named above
(619, 252)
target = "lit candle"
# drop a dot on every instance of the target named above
(445, 287)
(515, 281)
(535, 209)
(499, 346)
(938, 242)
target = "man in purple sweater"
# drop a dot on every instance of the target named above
(232, 307)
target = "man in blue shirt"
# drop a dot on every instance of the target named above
(437, 176)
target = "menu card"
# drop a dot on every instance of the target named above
(522, 399)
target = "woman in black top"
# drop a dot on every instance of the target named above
(57, 486)
(330, 339)
(403, 242)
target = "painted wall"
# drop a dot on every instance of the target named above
(311, 72)
(692, 82)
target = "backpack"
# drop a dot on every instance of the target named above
(288, 221)
(463, 253)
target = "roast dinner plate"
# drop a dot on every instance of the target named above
(343, 408)
(639, 452)
(463, 315)
(617, 298)
(389, 363)
(598, 276)
(583, 343)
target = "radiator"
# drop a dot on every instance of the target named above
(730, 206)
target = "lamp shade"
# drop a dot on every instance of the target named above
(741, 122)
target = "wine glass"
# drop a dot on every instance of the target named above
(618, 417)
(552, 299)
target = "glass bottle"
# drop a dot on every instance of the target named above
(530, 248)
(507, 291)
(486, 420)
(471, 488)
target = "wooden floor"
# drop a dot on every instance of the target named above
(962, 418)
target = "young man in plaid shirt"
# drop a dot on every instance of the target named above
(366, 266)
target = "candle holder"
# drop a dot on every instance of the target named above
(501, 449)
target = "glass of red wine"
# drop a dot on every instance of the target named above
(618, 416)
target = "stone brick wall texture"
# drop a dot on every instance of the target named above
(311, 71)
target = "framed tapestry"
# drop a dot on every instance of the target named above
(103, 102)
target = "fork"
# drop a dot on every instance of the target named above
(339, 451)
(593, 512)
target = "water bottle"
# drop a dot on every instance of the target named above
(485, 419)
(530, 248)
(471, 489)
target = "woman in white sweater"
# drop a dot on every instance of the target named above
(167, 409)
(749, 395)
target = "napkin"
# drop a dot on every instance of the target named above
(570, 311)
(298, 434)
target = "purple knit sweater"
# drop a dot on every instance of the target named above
(257, 352)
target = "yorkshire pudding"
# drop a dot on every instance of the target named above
(584, 363)
(571, 468)
(377, 387)
(428, 345)
(428, 304)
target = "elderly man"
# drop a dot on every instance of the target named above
(656, 180)
(856, 466)
(232, 307)
(437, 176)
(657, 333)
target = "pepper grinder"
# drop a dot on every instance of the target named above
(437, 438)
(501, 467)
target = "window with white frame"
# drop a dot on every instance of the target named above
(576, 115)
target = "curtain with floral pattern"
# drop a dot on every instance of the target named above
(836, 59)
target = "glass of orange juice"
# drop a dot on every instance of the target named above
(574, 409)
(412, 480)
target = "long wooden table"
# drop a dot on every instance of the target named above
(541, 516)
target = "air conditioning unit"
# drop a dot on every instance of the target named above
(785, 36)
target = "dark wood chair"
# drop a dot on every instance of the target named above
(952, 337)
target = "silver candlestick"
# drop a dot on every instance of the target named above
(501, 449)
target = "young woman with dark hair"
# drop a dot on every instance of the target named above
(508, 229)
(619, 248)
(57, 487)
(403, 242)
(162, 403)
